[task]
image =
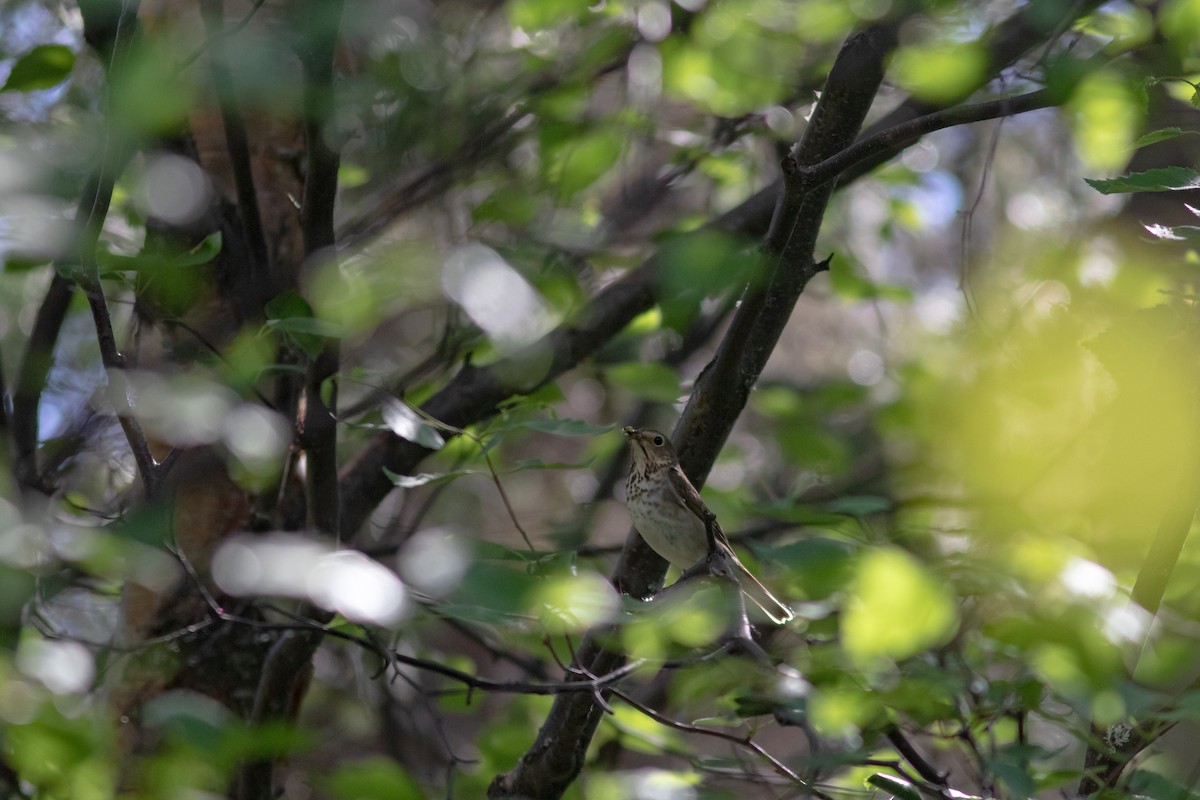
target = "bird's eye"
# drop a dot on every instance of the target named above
(658, 441)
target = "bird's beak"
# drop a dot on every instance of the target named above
(629, 431)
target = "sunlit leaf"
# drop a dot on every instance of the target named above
(426, 478)
(408, 424)
(1107, 113)
(1178, 233)
(42, 67)
(941, 71)
(896, 608)
(578, 602)
(536, 14)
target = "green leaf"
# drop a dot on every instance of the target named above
(789, 510)
(698, 265)
(656, 382)
(373, 779)
(849, 284)
(271, 740)
(819, 565)
(286, 305)
(567, 427)
(537, 463)
(1164, 179)
(43, 67)
(308, 327)
(202, 253)
(158, 259)
(291, 315)
(1160, 135)
(581, 160)
(507, 204)
(859, 506)
(533, 15)
(896, 787)
(189, 718)
(408, 424)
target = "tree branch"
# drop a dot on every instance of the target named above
(319, 435)
(236, 142)
(109, 30)
(556, 757)
(281, 683)
(81, 265)
(886, 141)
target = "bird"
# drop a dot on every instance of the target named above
(670, 515)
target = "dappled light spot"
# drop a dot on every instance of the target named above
(865, 367)
(434, 561)
(896, 609)
(173, 189)
(287, 565)
(32, 227)
(495, 296)
(654, 21)
(645, 74)
(358, 588)
(579, 601)
(1088, 580)
(181, 410)
(1126, 622)
(1107, 111)
(64, 667)
(256, 436)
(659, 784)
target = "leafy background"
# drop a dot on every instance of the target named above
(968, 462)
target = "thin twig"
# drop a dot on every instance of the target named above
(824, 171)
(746, 741)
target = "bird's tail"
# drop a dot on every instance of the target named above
(762, 597)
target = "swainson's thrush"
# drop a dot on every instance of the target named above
(669, 514)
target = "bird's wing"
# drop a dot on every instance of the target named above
(691, 498)
(762, 597)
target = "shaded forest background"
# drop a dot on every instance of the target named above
(319, 321)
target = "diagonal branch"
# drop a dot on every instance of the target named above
(556, 757)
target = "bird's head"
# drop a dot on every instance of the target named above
(650, 448)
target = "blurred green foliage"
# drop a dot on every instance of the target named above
(954, 467)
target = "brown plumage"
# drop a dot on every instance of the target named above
(670, 515)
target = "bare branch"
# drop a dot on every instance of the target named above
(744, 740)
(236, 141)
